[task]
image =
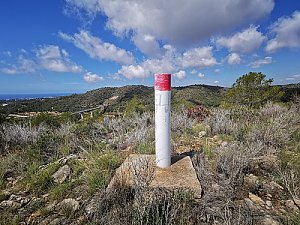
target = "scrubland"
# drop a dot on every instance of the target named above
(55, 171)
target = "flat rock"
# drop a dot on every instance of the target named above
(140, 170)
(291, 206)
(297, 201)
(61, 174)
(71, 203)
(10, 204)
(257, 200)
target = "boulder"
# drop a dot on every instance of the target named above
(251, 181)
(255, 199)
(291, 206)
(70, 202)
(61, 174)
(10, 204)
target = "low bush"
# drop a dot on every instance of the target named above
(99, 168)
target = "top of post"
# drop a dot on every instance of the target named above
(163, 82)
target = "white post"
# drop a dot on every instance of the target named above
(162, 120)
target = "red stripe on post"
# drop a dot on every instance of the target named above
(163, 82)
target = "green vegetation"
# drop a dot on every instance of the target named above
(254, 90)
(99, 169)
(39, 181)
(134, 106)
(250, 146)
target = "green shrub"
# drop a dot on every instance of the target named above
(134, 106)
(61, 191)
(99, 168)
(47, 119)
(39, 181)
(294, 219)
(254, 90)
(46, 148)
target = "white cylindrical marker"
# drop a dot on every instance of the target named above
(162, 120)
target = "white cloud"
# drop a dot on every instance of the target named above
(7, 53)
(147, 44)
(196, 20)
(26, 65)
(198, 57)
(98, 49)
(233, 58)
(216, 81)
(200, 75)
(287, 33)
(23, 65)
(260, 62)
(170, 62)
(11, 70)
(52, 58)
(92, 77)
(246, 41)
(217, 70)
(180, 74)
(48, 57)
(193, 71)
(164, 65)
(133, 71)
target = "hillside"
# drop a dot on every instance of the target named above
(195, 94)
(188, 95)
(247, 162)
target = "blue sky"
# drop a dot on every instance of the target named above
(68, 46)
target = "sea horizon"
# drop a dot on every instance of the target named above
(32, 96)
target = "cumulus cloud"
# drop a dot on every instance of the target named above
(11, 70)
(163, 20)
(148, 45)
(7, 53)
(200, 75)
(233, 58)
(198, 57)
(23, 65)
(92, 77)
(133, 71)
(287, 33)
(170, 62)
(180, 74)
(260, 62)
(193, 71)
(97, 49)
(54, 59)
(48, 57)
(246, 41)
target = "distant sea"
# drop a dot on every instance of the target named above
(31, 96)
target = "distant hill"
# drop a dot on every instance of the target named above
(189, 95)
(194, 94)
(290, 90)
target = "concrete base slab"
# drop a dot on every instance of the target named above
(141, 171)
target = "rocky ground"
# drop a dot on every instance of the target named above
(245, 175)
